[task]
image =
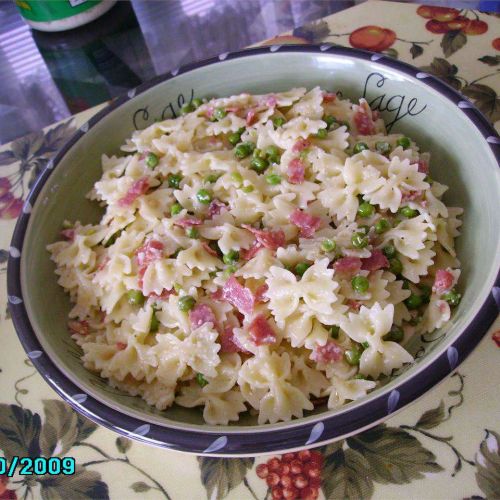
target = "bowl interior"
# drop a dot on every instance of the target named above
(460, 158)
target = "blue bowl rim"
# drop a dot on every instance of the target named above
(261, 440)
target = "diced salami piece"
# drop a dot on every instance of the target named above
(411, 195)
(353, 304)
(121, 346)
(188, 221)
(443, 281)
(496, 338)
(308, 224)
(209, 113)
(348, 265)
(363, 123)
(216, 207)
(200, 315)
(271, 101)
(329, 97)
(261, 331)
(376, 261)
(268, 239)
(151, 251)
(251, 117)
(68, 234)
(228, 342)
(139, 187)
(164, 295)
(260, 293)
(300, 145)
(217, 295)
(208, 248)
(296, 171)
(423, 167)
(79, 327)
(328, 353)
(252, 251)
(238, 295)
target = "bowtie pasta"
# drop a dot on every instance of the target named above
(260, 252)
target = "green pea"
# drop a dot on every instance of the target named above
(203, 196)
(234, 138)
(365, 344)
(360, 284)
(408, 212)
(365, 209)
(426, 293)
(322, 133)
(453, 298)
(152, 160)
(174, 180)
(196, 102)
(352, 357)
(359, 146)
(359, 240)
(301, 268)
(358, 376)
(395, 335)
(404, 142)
(248, 189)
(381, 226)
(244, 149)
(272, 150)
(329, 120)
(278, 122)
(135, 297)
(155, 323)
(383, 147)
(395, 266)
(231, 257)
(272, 154)
(201, 380)
(229, 270)
(328, 245)
(187, 108)
(211, 178)
(186, 303)
(175, 209)
(192, 233)
(237, 177)
(259, 164)
(219, 113)
(389, 251)
(413, 301)
(273, 179)
(334, 331)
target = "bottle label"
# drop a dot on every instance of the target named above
(53, 11)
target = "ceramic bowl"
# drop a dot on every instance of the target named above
(465, 153)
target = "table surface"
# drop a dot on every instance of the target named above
(446, 445)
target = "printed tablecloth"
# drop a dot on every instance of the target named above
(447, 445)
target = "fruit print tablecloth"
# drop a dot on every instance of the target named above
(447, 445)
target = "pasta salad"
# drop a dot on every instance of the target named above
(262, 253)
